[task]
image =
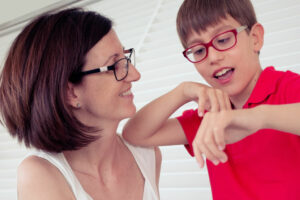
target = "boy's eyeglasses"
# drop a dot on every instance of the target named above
(220, 42)
(120, 67)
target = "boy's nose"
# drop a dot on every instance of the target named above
(133, 73)
(214, 55)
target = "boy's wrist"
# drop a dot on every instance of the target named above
(182, 92)
(260, 116)
(190, 91)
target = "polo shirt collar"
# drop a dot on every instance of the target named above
(265, 86)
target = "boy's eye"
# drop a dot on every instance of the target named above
(224, 40)
(198, 50)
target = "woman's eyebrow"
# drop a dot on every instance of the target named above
(111, 58)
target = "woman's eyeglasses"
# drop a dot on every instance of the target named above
(120, 67)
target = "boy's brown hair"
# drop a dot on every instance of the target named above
(197, 15)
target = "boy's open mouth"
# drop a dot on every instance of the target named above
(224, 73)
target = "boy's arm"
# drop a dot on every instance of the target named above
(281, 117)
(151, 125)
(238, 124)
(234, 125)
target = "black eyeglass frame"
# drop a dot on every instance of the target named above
(111, 67)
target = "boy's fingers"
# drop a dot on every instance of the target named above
(218, 134)
(198, 155)
(221, 100)
(204, 142)
(227, 102)
(210, 141)
(209, 155)
(201, 107)
(212, 150)
(219, 138)
(202, 102)
(213, 101)
(197, 143)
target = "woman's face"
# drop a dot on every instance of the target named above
(100, 95)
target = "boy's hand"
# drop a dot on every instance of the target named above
(220, 128)
(208, 98)
(213, 101)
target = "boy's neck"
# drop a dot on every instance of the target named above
(240, 99)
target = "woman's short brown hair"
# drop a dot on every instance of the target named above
(33, 83)
(197, 15)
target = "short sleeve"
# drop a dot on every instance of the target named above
(190, 122)
(291, 85)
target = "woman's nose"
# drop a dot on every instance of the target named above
(133, 73)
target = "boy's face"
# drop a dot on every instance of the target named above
(234, 70)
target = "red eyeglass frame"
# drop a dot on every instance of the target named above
(210, 43)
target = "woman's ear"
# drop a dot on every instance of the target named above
(72, 97)
(257, 35)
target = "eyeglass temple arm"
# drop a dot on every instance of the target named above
(129, 51)
(241, 28)
(100, 69)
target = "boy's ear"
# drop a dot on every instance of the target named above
(257, 34)
(72, 97)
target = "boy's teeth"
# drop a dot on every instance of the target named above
(222, 72)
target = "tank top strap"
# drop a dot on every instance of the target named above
(60, 162)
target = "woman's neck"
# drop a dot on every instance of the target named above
(98, 157)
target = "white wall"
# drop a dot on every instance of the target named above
(149, 26)
(12, 9)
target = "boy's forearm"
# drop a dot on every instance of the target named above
(281, 117)
(151, 117)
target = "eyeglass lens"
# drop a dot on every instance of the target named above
(121, 67)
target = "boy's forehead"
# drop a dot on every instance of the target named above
(196, 36)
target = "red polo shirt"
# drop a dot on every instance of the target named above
(266, 164)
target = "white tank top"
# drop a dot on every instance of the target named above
(144, 157)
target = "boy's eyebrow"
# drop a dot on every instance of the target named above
(214, 33)
(221, 29)
(194, 42)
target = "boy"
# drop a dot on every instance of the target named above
(250, 128)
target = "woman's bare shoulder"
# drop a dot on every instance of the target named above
(39, 179)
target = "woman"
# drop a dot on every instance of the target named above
(65, 86)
